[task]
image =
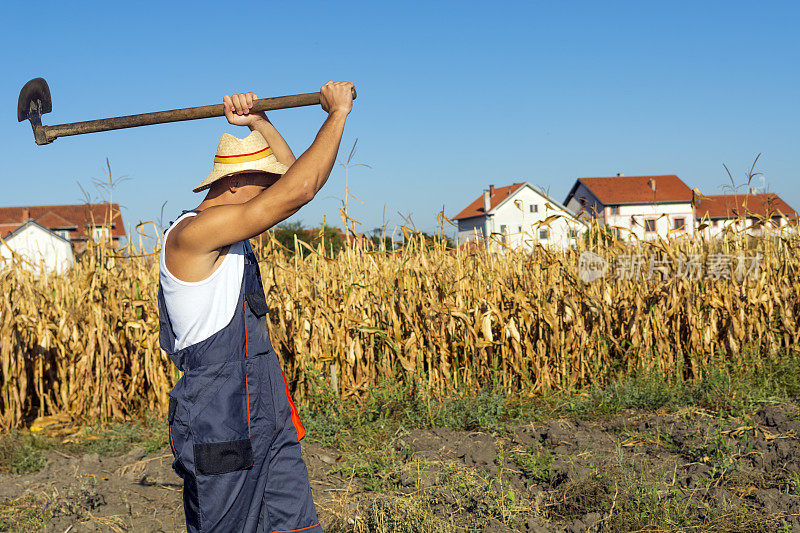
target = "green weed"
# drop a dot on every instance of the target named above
(116, 439)
(22, 452)
(534, 463)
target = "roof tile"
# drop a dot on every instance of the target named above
(64, 217)
(733, 205)
(476, 207)
(616, 190)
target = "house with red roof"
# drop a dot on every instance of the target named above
(75, 223)
(37, 249)
(519, 215)
(752, 212)
(643, 207)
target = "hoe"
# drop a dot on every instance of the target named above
(34, 101)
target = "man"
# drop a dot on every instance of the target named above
(233, 428)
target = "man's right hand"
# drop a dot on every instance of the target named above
(337, 96)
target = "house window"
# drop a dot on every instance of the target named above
(63, 233)
(100, 233)
(614, 209)
(503, 229)
(679, 224)
(715, 223)
(573, 233)
(519, 229)
(544, 234)
(534, 208)
(649, 225)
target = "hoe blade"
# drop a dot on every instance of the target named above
(34, 97)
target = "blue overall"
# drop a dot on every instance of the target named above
(233, 428)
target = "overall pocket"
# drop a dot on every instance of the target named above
(219, 421)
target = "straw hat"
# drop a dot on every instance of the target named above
(234, 156)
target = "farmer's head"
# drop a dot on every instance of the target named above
(242, 168)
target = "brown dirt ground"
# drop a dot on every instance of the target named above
(565, 475)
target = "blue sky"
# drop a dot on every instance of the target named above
(453, 96)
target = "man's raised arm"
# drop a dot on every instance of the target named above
(219, 226)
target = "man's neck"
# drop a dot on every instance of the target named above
(210, 201)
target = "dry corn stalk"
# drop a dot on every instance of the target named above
(86, 343)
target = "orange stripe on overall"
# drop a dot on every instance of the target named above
(301, 431)
(298, 426)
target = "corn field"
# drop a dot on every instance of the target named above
(86, 343)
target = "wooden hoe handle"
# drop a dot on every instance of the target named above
(176, 115)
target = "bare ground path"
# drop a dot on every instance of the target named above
(684, 471)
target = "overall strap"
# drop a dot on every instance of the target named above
(171, 222)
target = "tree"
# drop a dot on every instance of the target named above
(598, 235)
(331, 238)
(285, 234)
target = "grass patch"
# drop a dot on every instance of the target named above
(116, 439)
(377, 468)
(726, 391)
(534, 462)
(22, 453)
(390, 515)
(34, 512)
(578, 497)
(24, 514)
(393, 404)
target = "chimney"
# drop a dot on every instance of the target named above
(620, 174)
(491, 190)
(652, 184)
(26, 214)
(486, 203)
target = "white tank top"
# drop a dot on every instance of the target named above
(198, 309)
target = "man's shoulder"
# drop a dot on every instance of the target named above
(172, 237)
(183, 238)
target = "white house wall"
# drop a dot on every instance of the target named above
(37, 246)
(521, 225)
(664, 215)
(715, 227)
